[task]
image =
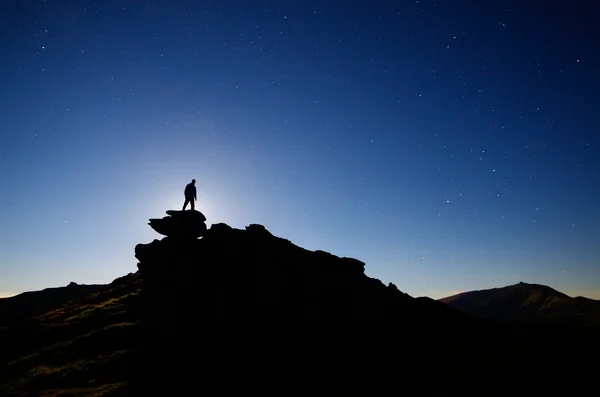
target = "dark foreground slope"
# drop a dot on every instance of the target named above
(527, 304)
(81, 347)
(247, 311)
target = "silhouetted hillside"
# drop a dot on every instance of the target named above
(34, 303)
(221, 309)
(83, 346)
(527, 304)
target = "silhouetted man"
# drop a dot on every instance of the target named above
(190, 194)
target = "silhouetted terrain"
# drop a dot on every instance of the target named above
(79, 346)
(34, 303)
(246, 310)
(527, 304)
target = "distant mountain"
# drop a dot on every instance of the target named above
(527, 304)
(34, 303)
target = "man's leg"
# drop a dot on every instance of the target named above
(192, 203)
(185, 203)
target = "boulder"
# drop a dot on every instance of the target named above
(180, 224)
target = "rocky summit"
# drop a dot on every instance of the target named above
(248, 285)
(180, 224)
(263, 303)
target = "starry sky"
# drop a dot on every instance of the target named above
(450, 145)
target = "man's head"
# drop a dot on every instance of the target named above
(193, 181)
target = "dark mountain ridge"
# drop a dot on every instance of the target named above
(530, 304)
(246, 310)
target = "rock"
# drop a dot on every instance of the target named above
(199, 216)
(180, 224)
(220, 227)
(258, 231)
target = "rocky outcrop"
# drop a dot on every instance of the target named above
(180, 224)
(243, 285)
(248, 295)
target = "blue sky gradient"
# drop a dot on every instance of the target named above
(448, 145)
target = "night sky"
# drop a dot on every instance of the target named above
(450, 145)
